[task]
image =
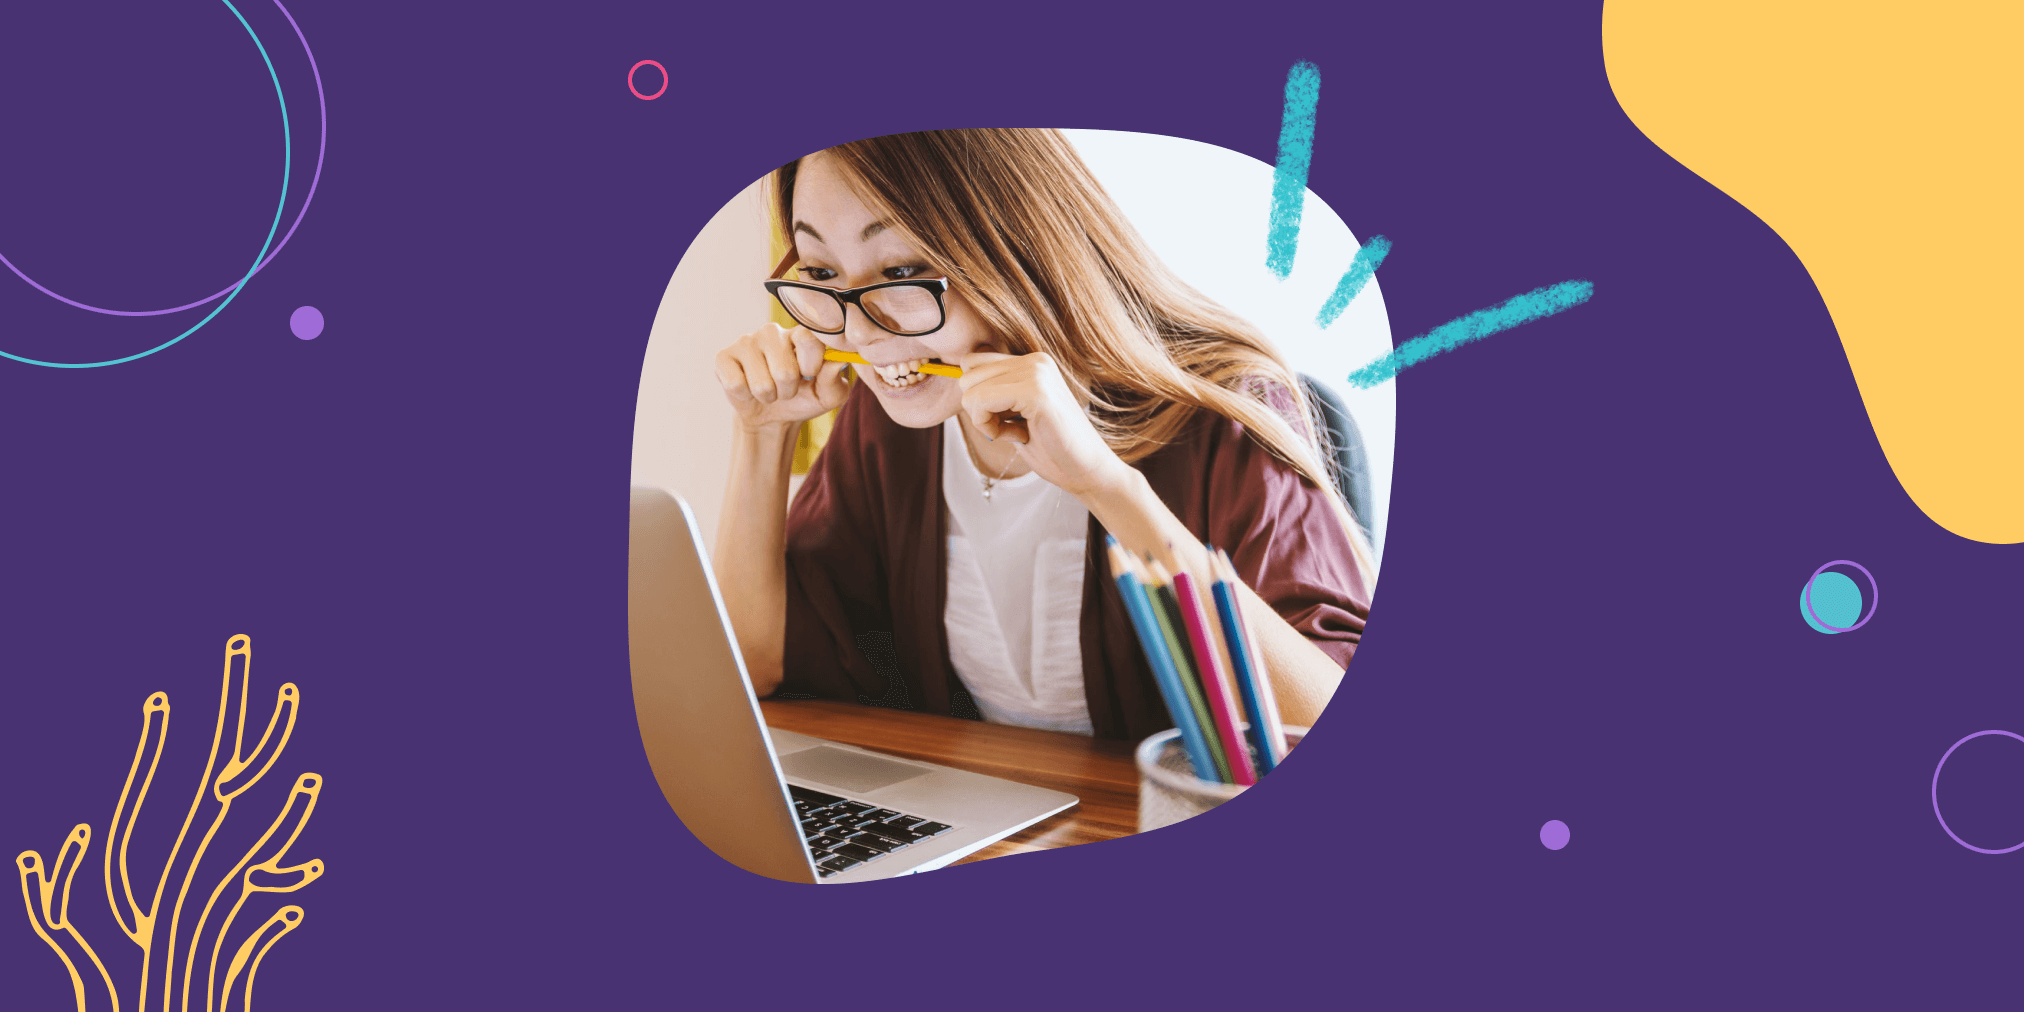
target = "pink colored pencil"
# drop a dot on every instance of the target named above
(1216, 681)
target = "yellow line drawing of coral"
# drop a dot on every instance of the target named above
(45, 888)
(38, 887)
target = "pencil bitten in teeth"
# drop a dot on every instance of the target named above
(902, 374)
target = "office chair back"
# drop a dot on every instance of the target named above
(1344, 453)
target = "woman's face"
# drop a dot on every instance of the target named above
(844, 245)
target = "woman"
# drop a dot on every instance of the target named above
(946, 553)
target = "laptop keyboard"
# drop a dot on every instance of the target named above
(843, 834)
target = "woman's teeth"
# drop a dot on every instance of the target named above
(902, 374)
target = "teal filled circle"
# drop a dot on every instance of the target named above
(1835, 598)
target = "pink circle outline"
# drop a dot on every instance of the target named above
(1806, 597)
(629, 86)
(1936, 794)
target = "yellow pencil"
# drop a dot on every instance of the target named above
(931, 368)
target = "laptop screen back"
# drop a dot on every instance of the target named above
(698, 717)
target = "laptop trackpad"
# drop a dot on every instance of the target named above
(849, 771)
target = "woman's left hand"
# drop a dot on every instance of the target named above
(1023, 398)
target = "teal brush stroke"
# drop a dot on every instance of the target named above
(1289, 178)
(1361, 268)
(1519, 309)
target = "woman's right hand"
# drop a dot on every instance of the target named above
(775, 377)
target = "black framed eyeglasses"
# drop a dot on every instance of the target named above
(905, 308)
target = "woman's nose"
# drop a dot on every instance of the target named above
(860, 332)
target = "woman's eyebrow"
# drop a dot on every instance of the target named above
(869, 230)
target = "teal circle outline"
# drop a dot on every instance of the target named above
(287, 162)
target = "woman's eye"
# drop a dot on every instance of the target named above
(903, 273)
(817, 273)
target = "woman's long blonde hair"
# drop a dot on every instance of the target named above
(1023, 230)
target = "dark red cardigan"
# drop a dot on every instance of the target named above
(867, 567)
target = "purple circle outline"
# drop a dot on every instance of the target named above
(1936, 794)
(1806, 598)
(323, 139)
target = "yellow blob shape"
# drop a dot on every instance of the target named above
(1882, 144)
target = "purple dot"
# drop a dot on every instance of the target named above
(306, 323)
(1554, 834)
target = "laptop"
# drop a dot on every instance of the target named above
(776, 803)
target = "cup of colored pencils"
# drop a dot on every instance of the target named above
(1169, 791)
(1205, 659)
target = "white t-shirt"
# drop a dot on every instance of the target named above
(1014, 611)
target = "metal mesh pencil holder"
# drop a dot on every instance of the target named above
(1169, 791)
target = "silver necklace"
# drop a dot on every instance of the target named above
(990, 483)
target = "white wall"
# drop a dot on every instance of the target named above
(682, 430)
(1202, 208)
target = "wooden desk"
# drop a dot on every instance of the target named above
(1099, 772)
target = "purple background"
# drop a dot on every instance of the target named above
(1600, 526)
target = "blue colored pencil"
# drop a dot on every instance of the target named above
(1139, 606)
(1261, 708)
